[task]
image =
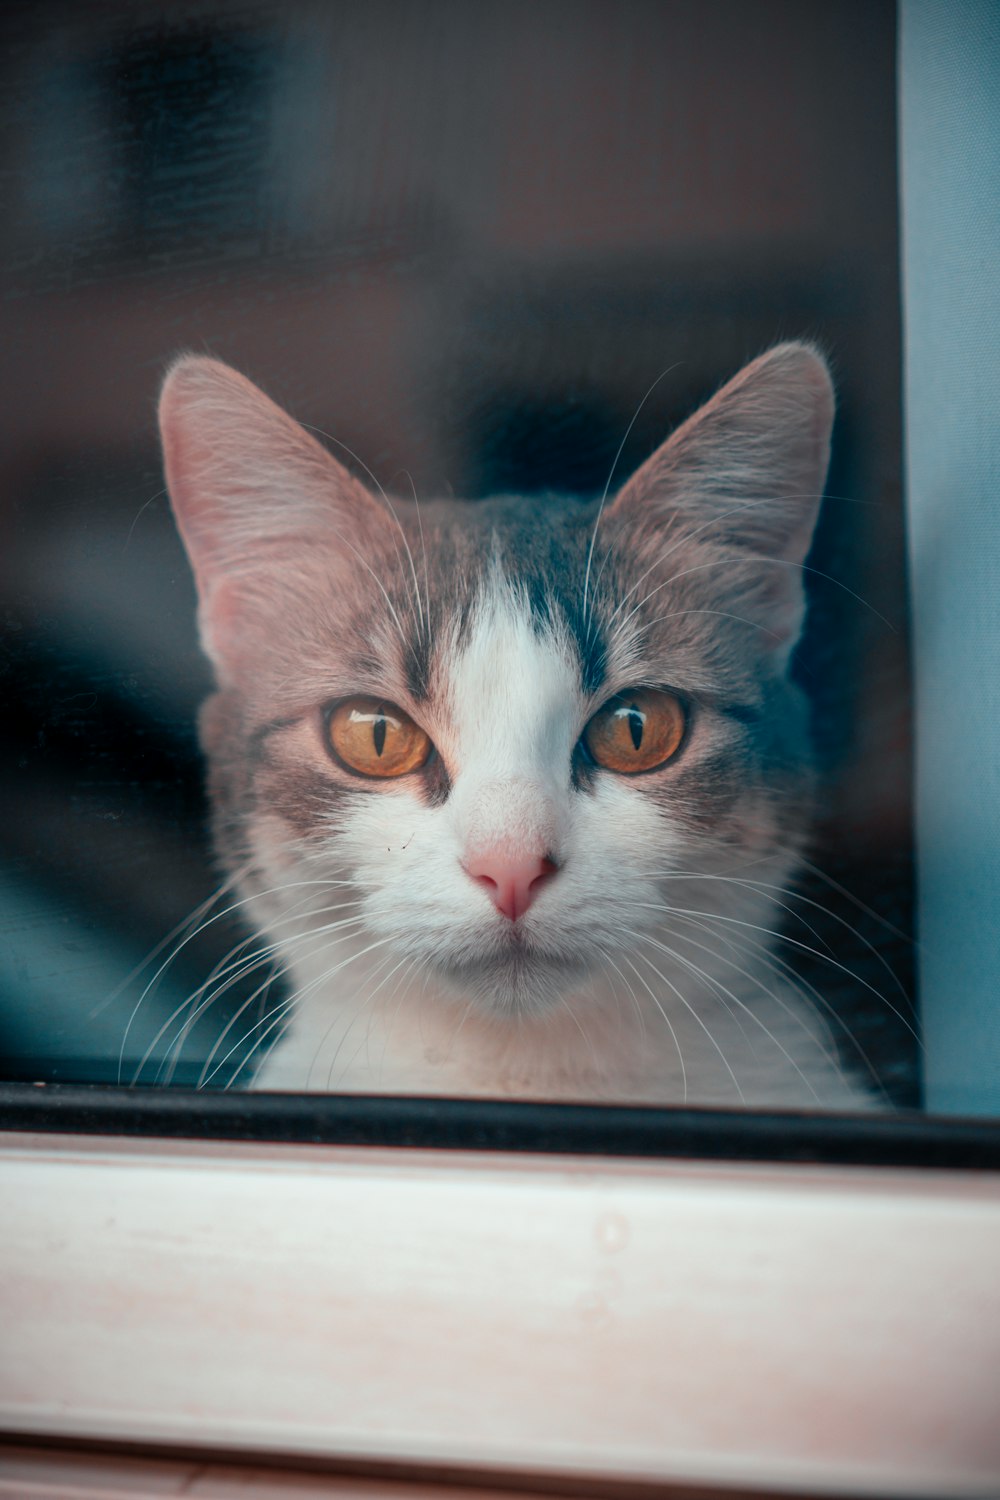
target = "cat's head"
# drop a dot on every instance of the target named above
(506, 725)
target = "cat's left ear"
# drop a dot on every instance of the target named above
(253, 494)
(745, 476)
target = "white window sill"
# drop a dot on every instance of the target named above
(818, 1329)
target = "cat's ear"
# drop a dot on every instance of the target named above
(249, 486)
(745, 474)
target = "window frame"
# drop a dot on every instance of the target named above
(507, 1313)
(818, 1273)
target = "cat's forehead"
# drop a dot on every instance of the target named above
(510, 679)
(522, 596)
(540, 574)
(499, 581)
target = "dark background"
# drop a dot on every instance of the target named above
(465, 240)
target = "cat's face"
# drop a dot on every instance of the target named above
(506, 726)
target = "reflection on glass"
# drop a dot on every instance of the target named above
(470, 299)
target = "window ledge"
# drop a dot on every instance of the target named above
(820, 1329)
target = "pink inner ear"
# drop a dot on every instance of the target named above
(742, 478)
(185, 458)
(218, 625)
(251, 491)
(764, 437)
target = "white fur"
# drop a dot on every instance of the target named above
(643, 970)
(598, 1022)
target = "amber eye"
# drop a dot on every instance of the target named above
(376, 738)
(635, 731)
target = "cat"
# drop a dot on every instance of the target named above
(514, 791)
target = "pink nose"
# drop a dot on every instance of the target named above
(513, 881)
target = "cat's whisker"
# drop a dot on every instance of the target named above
(259, 993)
(423, 548)
(599, 1071)
(404, 639)
(688, 536)
(366, 1040)
(755, 980)
(291, 1001)
(193, 1006)
(323, 978)
(849, 895)
(722, 614)
(762, 955)
(175, 1047)
(231, 970)
(467, 1012)
(741, 1005)
(416, 965)
(388, 503)
(284, 1012)
(772, 562)
(826, 912)
(359, 1009)
(795, 943)
(817, 906)
(634, 997)
(715, 988)
(196, 932)
(299, 912)
(277, 973)
(614, 992)
(778, 890)
(192, 919)
(784, 970)
(237, 965)
(283, 1009)
(669, 1023)
(611, 474)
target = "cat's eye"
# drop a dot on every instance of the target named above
(636, 731)
(374, 738)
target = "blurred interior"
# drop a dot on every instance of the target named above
(470, 242)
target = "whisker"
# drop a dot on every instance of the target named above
(191, 920)
(742, 1006)
(785, 938)
(278, 973)
(754, 979)
(669, 1024)
(292, 1001)
(423, 548)
(774, 562)
(600, 509)
(362, 465)
(196, 932)
(365, 1041)
(817, 906)
(236, 968)
(849, 895)
(782, 968)
(362, 1005)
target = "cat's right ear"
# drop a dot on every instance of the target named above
(249, 486)
(739, 484)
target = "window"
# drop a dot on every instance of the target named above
(468, 241)
(471, 299)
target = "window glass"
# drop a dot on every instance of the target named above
(492, 249)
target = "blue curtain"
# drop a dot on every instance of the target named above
(950, 181)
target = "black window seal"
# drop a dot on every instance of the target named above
(900, 1140)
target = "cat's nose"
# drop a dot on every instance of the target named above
(512, 881)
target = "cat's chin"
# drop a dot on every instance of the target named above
(518, 985)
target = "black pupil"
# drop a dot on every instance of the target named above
(378, 734)
(636, 719)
